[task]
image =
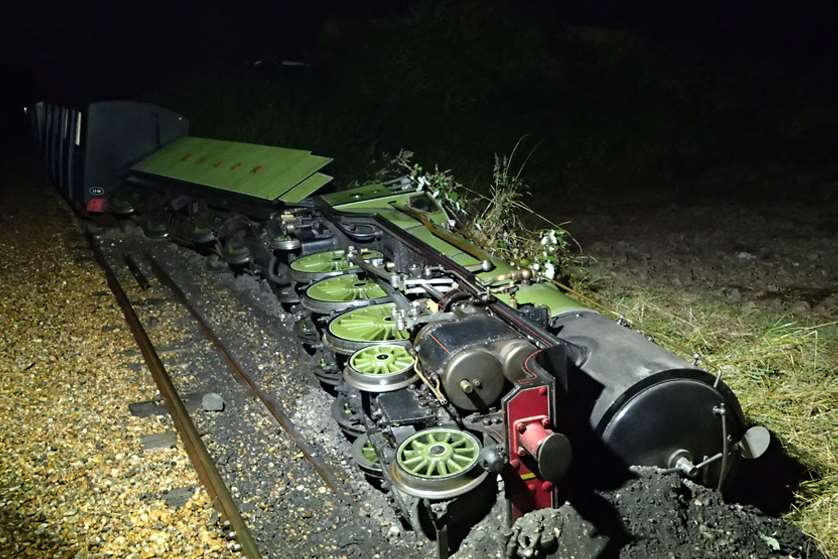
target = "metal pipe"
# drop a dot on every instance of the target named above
(722, 411)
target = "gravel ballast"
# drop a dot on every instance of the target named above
(74, 479)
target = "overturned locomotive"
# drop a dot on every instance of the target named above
(459, 377)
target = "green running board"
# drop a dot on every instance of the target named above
(264, 172)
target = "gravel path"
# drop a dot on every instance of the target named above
(74, 479)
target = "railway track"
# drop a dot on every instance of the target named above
(195, 448)
(273, 406)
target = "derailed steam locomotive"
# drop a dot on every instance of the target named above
(459, 377)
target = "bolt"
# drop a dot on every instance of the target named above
(547, 486)
(521, 452)
(543, 390)
(466, 386)
(476, 382)
(515, 463)
(545, 423)
(521, 427)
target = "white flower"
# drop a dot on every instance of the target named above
(549, 271)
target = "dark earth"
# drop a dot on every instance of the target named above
(773, 253)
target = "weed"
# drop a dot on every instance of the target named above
(499, 220)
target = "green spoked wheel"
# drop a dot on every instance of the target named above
(380, 368)
(327, 263)
(438, 463)
(340, 293)
(365, 456)
(125, 201)
(438, 453)
(201, 234)
(359, 328)
(155, 227)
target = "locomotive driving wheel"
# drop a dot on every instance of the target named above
(360, 328)
(325, 264)
(365, 457)
(380, 368)
(341, 293)
(437, 463)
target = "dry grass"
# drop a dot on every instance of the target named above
(785, 374)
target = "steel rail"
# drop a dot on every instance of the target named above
(198, 454)
(273, 406)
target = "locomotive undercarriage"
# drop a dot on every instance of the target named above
(455, 402)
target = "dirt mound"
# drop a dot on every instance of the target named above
(653, 515)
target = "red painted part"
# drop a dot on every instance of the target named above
(532, 434)
(96, 205)
(527, 409)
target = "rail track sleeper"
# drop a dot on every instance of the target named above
(198, 454)
(159, 441)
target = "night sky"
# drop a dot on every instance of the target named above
(74, 52)
(70, 46)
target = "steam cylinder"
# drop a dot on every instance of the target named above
(642, 403)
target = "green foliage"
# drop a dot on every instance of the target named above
(497, 221)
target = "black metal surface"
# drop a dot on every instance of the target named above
(401, 407)
(437, 341)
(120, 133)
(639, 402)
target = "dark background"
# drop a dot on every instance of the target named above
(623, 101)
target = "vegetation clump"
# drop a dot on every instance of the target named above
(501, 220)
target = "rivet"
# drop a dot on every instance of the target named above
(547, 486)
(543, 390)
(521, 427)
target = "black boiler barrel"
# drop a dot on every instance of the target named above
(641, 401)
